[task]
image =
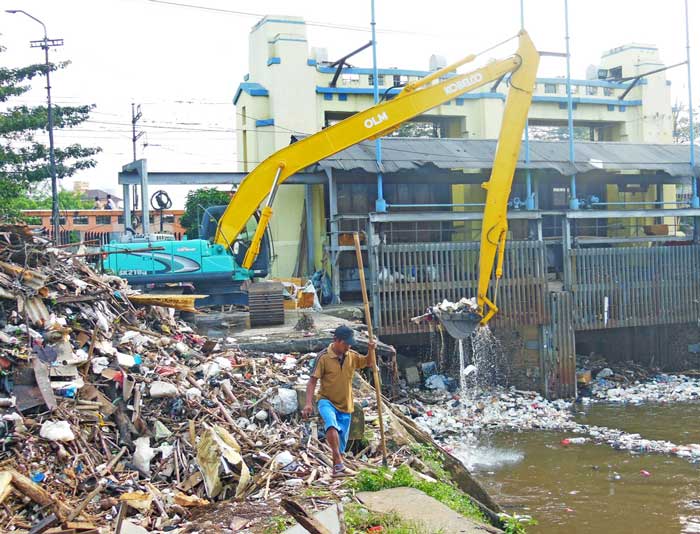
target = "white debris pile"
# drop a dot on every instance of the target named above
(462, 305)
(499, 409)
(454, 421)
(661, 388)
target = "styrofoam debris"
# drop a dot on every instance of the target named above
(163, 389)
(285, 401)
(57, 431)
(284, 458)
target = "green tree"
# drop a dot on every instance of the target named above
(418, 129)
(195, 203)
(681, 124)
(40, 199)
(24, 157)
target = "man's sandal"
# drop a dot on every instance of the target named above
(339, 470)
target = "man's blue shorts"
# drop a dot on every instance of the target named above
(332, 417)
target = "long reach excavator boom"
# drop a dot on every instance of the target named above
(379, 120)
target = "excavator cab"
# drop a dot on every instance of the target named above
(207, 230)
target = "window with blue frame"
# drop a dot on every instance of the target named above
(342, 97)
(550, 88)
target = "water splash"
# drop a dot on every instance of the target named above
(484, 364)
(482, 457)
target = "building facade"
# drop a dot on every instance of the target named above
(289, 90)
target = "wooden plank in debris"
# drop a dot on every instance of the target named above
(38, 494)
(306, 520)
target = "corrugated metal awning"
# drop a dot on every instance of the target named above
(402, 153)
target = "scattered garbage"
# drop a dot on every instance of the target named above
(112, 408)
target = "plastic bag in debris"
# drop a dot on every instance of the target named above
(322, 283)
(604, 373)
(284, 458)
(285, 401)
(218, 451)
(436, 382)
(57, 431)
(143, 454)
(309, 288)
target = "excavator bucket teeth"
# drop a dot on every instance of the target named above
(460, 325)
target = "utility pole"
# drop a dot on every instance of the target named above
(135, 117)
(47, 43)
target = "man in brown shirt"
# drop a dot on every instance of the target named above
(335, 367)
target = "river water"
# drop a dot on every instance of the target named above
(592, 488)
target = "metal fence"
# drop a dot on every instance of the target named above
(560, 348)
(410, 277)
(634, 286)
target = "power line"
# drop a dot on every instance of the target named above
(308, 22)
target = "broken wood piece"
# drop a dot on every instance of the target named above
(303, 518)
(38, 494)
(107, 468)
(75, 513)
(44, 524)
(5, 485)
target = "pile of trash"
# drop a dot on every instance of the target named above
(117, 416)
(594, 367)
(662, 388)
(454, 420)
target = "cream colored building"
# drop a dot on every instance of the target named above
(287, 91)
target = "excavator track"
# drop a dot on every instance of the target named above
(265, 304)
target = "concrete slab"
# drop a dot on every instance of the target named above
(236, 324)
(414, 505)
(328, 518)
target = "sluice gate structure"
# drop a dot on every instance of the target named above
(588, 280)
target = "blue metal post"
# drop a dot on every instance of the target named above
(695, 201)
(530, 196)
(573, 201)
(380, 205)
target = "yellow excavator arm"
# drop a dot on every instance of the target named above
(385, 117)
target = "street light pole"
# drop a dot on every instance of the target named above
(47, 43)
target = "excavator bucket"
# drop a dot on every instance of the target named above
(460, 325)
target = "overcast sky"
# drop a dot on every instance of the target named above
(183, 64)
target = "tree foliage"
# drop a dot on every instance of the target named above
(195, 203)
(40, 199)
(681, 124)
(418, 129)
(24, 156)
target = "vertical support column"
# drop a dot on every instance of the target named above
(573, 201)
(127, 206)
(695, 202)
(145, 213)
(566, 249)
(333, 214)
(380, 205)
(310, 252)
(373, 269)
